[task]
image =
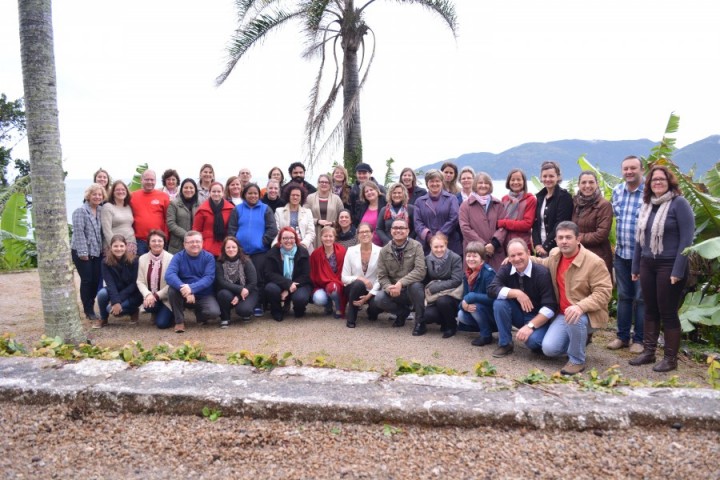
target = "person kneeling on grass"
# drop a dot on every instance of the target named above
(235, 282)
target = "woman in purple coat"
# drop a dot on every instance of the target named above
(437, 211)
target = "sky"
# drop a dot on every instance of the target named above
(136, 81)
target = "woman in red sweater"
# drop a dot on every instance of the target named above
(326, 264)
(212, 217)
(519, 207)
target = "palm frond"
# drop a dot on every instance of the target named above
(666, 147)
(444, 8)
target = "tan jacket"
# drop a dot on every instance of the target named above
(587, 283)
(334, 205)
(142, 284)
(412, 269)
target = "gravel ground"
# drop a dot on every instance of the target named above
(61, 442)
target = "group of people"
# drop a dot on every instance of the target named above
(453, 255)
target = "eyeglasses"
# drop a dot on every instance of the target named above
(659, 180)
(287, 239)
(399, 228)
(323, 182)
(365, 232)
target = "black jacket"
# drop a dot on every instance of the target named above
(250, 278)
(559, 208)
(301, 268)
(539, 286)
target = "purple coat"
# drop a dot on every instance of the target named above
(439, 216)
(479, 225)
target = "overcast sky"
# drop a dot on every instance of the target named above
(136, 81)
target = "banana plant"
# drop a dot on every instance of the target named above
(18, 251)
(136, 183)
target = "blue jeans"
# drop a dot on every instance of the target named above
(320, 298)
(163, 315)
(630, 302)
(508, 314)
(562, 338)
(482, 317)
(142, 247)
(129, 305)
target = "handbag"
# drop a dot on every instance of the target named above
(456, 293)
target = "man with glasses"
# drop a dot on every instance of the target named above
(401, 271)
(190, 277)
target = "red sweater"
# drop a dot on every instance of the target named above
(321, 274)
(149, 211)
(203, 223)
(522, 226)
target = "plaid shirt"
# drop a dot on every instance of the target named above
(87, 232)
(626, 207)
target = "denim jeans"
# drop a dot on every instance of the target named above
(129, 305)
(630, 302)
(321, 298)
(508, 314)
(163, 315)
(482, 317)
(562, 338)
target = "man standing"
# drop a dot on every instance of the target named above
(627, 198)
(245, 176)
(297, 175)
(190, 277)
(363, 173)
(524, 299)
(583, 288)
(149, 208)
(401, 271)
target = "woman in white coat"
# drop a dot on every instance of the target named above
(359, 275)
(296, 216)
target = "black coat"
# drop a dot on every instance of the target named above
(236, 288)
(301, 268)
(559, 209)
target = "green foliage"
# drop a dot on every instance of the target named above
(389, 172)
(135, 354)
(485, 369)
(322, 362)
(699, 308)
(535, 376)
(17, 250)
(260, 361)
(405, 367)
(714, 372)
(211, 414)
(12, 130)
(610, 379)
(9, 347)
(136, 183)
(389, 430)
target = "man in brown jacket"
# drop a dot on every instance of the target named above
(583, 289)
(401, 271)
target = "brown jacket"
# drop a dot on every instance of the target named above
(595, 224)
(587, 283)
(410, 271)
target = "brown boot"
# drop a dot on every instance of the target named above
(672, 346)
(650, 337)
(134, 317)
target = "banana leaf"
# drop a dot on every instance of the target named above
(14, 227)
(136, 183)
(709, 249)
(700, 309)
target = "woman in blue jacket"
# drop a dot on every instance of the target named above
(120, 295)
(476, 307)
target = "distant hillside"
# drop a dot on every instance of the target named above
(604, 154)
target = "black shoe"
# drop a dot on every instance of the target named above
(299, 313)
(350, 324)
(399, 322)
(503, 350)
(329, 309)
(420, 329)
(277, 316)
(449, 332)
(481, 341)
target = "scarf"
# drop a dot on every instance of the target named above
(233, 271)
(439, 262)
(399, 251)
(511, 208)
(219, 229)
(288, 258)
(658, 227)
(155, 271)
(398, 211)
(472, 276)
(584, 201)
(349, 235)
(484, 200)
(338, 189)
(189, 203)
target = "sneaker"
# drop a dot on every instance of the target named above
(224, 323)
(572, 368)
(503, 350)
(481, 341)
(258, 312)
(411, 316)
(636, 348)
(617, 344)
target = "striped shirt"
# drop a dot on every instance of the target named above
(626, 207)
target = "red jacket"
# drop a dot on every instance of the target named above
(322, 275)
(522, 227)
(203, 223)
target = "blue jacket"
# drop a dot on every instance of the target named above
(198, 272)
(254, 227)
(479, 293)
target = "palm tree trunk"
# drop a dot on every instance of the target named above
(353, 31)
(47, 178)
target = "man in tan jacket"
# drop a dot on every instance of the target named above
(583, 289)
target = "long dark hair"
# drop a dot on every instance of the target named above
(241, 253)
(673, 185)
(194, 199)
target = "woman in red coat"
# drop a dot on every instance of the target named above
(326, 264)
(519, 214)
(212, 217)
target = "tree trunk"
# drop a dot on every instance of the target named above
(57, 285)
(354, 29)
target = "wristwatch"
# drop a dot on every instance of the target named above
(530, 325)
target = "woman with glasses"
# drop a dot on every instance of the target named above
(294, 215)
(324, 205)
(359, 275)
(287, 275)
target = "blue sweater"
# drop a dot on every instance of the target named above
(479, 292)
(198, 272)
(254, 227)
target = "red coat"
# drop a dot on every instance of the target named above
(522, 226)
(203, 223)
(322, 275)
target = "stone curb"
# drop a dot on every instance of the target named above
(310, 394)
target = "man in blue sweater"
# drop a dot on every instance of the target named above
(190, 277)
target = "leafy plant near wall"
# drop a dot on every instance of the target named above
(16, 249)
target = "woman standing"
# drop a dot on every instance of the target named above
(277, 175)
(86, 246)
(102, 178)
(181, 213)
(409, 181)
(206, 179)
(340, 185)
(665, 227)
(593, 215)
(324, 205)
(235, 282)
(295, 216)
(476, 307)
(450, 177)
(171, 182)
(518, 209)
(554, 205)
(437, 211)
(397, 208)
(443, 288)
(151, 280)
(467, 179)
(211, 219)
(233, 190)
(359, 275)
(479, 217)
(272, 197)
(368, 208)
(117, 217)
(287, 275)
(326, 264)
(345, 230)
(120, 295)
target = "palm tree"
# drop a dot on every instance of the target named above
(57, 286)
(329, 26)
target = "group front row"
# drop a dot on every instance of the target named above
(554, 302)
